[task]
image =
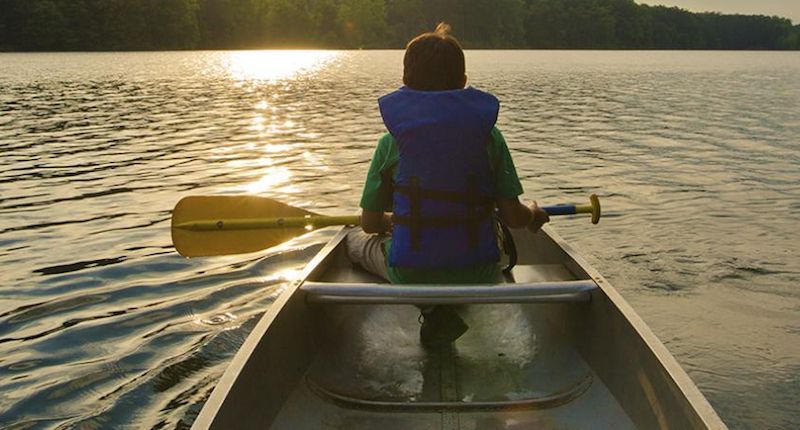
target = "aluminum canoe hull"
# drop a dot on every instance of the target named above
(338, 350)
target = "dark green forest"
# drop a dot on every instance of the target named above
(111, 25)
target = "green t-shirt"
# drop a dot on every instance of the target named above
(377, 196)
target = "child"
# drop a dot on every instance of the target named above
(441, 170)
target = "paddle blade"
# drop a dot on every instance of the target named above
(202, 243)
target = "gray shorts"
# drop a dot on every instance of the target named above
(366, 250)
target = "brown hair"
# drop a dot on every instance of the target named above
(434, 61)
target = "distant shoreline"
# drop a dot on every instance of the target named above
(133, 51)
(124, 25)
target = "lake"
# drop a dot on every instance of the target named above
(696, 157)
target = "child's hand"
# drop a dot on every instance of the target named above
(375, 222)
(538, 218)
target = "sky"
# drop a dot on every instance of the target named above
(785, 8)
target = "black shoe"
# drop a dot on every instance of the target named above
(440, 326)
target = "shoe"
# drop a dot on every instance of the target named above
(440, 326)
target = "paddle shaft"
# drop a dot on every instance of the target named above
(259, 223)
(317, 221)
(226, 225)
(568, 209)
(592, 208)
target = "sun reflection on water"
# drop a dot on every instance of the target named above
(258, 123)
(272, 122)
(272, 178)
(276, 148)
(276, 65)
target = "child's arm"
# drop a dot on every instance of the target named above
(376, 222)
(516, 215)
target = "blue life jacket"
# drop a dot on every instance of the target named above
(444, 192)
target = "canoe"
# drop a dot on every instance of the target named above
(552, 345)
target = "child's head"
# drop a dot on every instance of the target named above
(434, 62)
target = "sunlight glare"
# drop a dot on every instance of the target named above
(275, 176)
(249, 162)
(272, 148)
(258, 123)
(314, 160)
(276, 65)
(289, 274)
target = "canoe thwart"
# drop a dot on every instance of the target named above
(538, 292)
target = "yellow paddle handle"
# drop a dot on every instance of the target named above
(309, 222)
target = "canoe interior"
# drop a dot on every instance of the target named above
(529, 365)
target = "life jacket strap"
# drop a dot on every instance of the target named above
(510, 248)
(479, 210)
(473, 216)
(450, 196)
(415, 219)
(482, 214)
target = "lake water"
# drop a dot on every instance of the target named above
(695, 156)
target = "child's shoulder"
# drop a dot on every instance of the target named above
(387, 143)
(387, 139)
(387, 151)
(496, 138)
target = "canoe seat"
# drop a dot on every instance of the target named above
(538, 292)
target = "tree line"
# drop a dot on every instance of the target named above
(112, 25)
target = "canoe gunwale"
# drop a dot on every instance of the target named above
(209, 415)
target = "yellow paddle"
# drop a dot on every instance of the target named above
(224, 225)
